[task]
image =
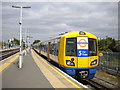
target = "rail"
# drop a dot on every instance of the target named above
(6, 53)
(99, 83)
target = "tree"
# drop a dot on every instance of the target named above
(112, 46)
(108, 44)
(16, 41)
(36, 41)
(3, 44)
(102, 44)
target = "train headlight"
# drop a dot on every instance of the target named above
(70, 63)
(93, 62)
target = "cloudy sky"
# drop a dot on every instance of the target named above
(48, 19)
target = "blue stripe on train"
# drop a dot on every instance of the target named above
(72, 71)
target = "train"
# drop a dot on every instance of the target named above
(75, 52)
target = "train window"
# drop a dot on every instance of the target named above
(44, 47)
(54, 46)
(92, 47)
(51, 47)
(71, 47)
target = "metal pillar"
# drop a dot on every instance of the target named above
(20, 23)
(20, 55)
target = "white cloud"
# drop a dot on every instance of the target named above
(51, 19)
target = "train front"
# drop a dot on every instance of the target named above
(81, 57)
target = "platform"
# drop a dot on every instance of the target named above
(36, 73)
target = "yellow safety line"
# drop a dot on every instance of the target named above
(58, 72)
(55, 82)
(4, 66)
(12, 60)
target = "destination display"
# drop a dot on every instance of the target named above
(82, 46)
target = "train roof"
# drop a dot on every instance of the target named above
(73, 34)
(78, 34)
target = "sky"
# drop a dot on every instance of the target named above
(48, 19)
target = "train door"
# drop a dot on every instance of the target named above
(82, 52)
(48, 51)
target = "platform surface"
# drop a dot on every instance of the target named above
(36, 73)
(29, 76)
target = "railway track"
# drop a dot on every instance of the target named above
(99, 84)
(7, 53)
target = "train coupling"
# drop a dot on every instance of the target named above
(83, 74)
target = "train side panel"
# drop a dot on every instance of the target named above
(61, 54)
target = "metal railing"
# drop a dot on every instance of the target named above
(110, 62)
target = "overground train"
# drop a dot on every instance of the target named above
(76, 53)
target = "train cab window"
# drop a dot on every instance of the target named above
(92, 47)
(71, 47)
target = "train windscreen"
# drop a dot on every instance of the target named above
(92, 47)
(71, 47)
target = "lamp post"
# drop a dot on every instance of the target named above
(20, 23)
(26, 41)
(28, 38)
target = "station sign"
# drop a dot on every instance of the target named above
(82, 46)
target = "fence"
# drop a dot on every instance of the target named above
(110, 63)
